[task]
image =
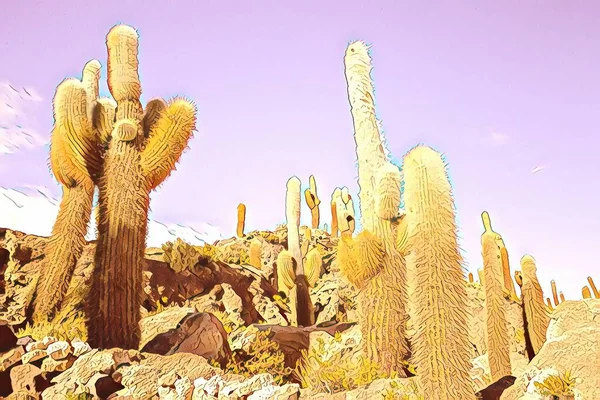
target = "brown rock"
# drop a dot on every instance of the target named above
(102, 386)
(51, 365)
(59, 350)
(8, 339)
(200, 333)
(11, 358)
(23, 378)
(495, 390)
(33, 355)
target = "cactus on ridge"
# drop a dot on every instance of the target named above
(256, 253)
(241, 220)
(334, 219)
(498, 346)
(554, 292)
(370, 148)
(441, 347)
(142, 152)
(593, 286)
(585, 292)
(82, 123)
(304, 307)
(533, 303)
(313, 202)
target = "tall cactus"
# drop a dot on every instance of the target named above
(344, 207)
(498, 348)
(554, 292)
(82, 122)
(370, 148)
(442, 351)
(313, 202)
(593, 286)
(256, 253)
(334, 218)
(142, 152)
(533, 302)
(304, 306)
(241, 220)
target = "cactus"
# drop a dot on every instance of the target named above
(345, 213)
(549, 304)
(334, 220)
(470, 277)
(481, 276)
(370, 150)
(286, 280)
(81, 123)
(519, 279)
(533, 302)
(241, 220)
(141, 154)
(442, 351)
(508, 282)
(562, 297)
(593, 286)
(256, 253)
(585, 292)
(314, 263)
(497, 332)
(402, 233)
(313, 201)
(554, 293)
(304, 307)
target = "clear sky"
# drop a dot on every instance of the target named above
(502, 88)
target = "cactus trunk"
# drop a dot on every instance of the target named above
(442, 351)
(64, 249)
(533, 303)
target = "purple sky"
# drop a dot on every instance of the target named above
(499, 87)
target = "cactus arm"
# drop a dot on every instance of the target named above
(103, 117)
(167, 140)
(152, 113)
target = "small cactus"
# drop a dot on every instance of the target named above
(334, 219)
(256, 253)
(345, 213)
(241, 220)
(533, 302)
(585, 292)
(313, 201)
(554, 293)
(470, 277)
(593, 286)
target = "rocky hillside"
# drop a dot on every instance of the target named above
(215, 326)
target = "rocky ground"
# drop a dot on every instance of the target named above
(217, 329)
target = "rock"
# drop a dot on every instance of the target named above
(571, 347)
(101, 386)
(11, 358)
(52, 365)
(199, 333)
(285, 392)
(182, 389)
(401, 388)
(24, 341)
(26, 378)
(33, 355)
(42, 344)
(240, 390)
(80, 348)
(208, 389)
(59, 350)
(495, 390)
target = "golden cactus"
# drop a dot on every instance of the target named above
(82, 122)
(286, 281)
(241, 220)
(141, 154)
(304, 307)
(533, 303)
(361, 257)
(402, 233)
(508, 282)
(314, 263)
(498, 346)
(256, 253)
(470, 277)
(554, 293)
(334, 219)
(442, 351)
(562, 297)
(369, 144)
(585, 292)
(345, 213)
(549, 304)
(593, 286)
(313, 201)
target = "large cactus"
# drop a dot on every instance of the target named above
(370, 150)
(142, 151)
(313, 202)
(305, 312)
(533, 302)
(241, 220)
(442, 351)
(82, 122)
(498, 348)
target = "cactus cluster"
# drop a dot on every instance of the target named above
(126, 151)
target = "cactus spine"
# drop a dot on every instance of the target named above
(442, 351)
(313, 201)
(75, 159)
(241, 220)
(369, 144)
(142, 152)
(533, 302)
(497, 333)
(305, 313)
(593, 286)
(256, 253)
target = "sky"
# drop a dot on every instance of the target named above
(503, 89)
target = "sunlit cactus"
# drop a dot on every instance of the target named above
(441, 348)
(585, 292)
(370, 149)
(519, 279)
(241, 220)
(256, 253)
(593, 286)
(562, 297)
(345, 213)
(142, 152)
(498, 345)
(334, 219)
(304, 307)
(312, 267)
(554, 293)
(481, 276)
(286, 281)
(471, 277)
(361, 257)
(313, 202)
(82, 123)
(533, 302)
